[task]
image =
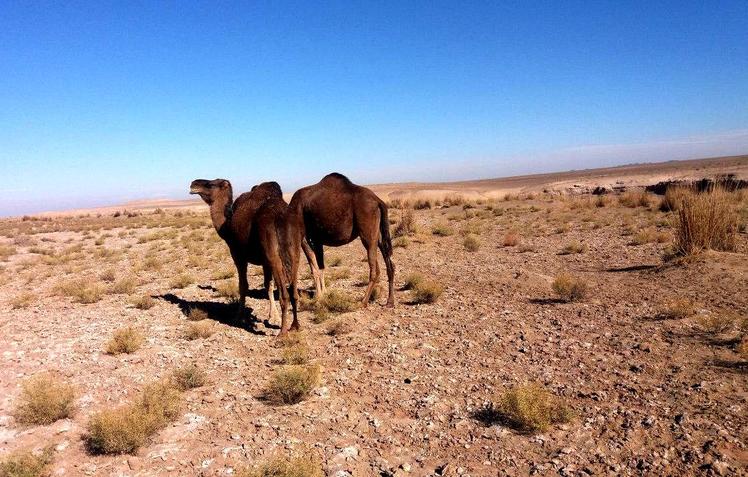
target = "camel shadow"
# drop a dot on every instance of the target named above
(546, 301)
(633, 268)
(225, 313)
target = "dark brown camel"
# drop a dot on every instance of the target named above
(259, 230)
(334, 212)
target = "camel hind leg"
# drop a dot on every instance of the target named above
(390, 275)
(267, 274)
(319, 252)
(371, 255)
(310, 256)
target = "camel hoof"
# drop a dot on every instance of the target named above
(295, 327)
(390, 304)
(282, 334)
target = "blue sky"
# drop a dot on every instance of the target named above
(102, 102)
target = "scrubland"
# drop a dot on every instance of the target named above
(533, 334)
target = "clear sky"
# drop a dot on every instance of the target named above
(105, 101)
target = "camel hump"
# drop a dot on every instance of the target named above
(336, 178)
(269, 189)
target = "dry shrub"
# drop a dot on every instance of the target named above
(125, 285)
(442, 230)
(126, 428)
(673, 198)
(337, 328)
(228, 289)
(575, 246)
(412, 281)
(718, 323)
(183, 280)
(199, 330)
(44, 400)
(292, 384)
(407, 225)
(511, 239)
(427, 291)
(471, 243)
(706, 221)
(400, 242)
(454, 199)
(531, 408)
(422, 204)
(223, 273)
(677, 309)
(636, 198)
(307, 464)
(196, 314)
(6, 251)
(569, 288)
(336, 274)
(602, 201)
(22, 300)
(297, 353)
(649, 235)
(81, 290)
(742, 348)
(26, 464)
(125, 340)
(335, 301)
(189, 377)
(144, 302)
(108, 275)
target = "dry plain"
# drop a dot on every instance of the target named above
(650, 362)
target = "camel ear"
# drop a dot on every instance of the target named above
(225, 184)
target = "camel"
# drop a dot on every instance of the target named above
(258, 230)
(334, 212)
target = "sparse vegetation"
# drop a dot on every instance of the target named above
(26, 464)
(412, 281)
(292, 384)
(183, 280)
(125, 340)
(677, 309)
(531, 408)
(569, 288)
(406, 226)
(199, 330)
(81, 290)
(297, 353)
(511, 239)
(575, 246)
(125, 285)
(471, 243)
(44, 400)
(337, 328)
(427, 291)
(717, 323)
(442, 230)
(307, 464)
(22, 300)
(706, 221)
(124, 429)
(189, 377)
(335, 301)
(144, 302)
(196, 314)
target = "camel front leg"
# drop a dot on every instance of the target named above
(241, 270)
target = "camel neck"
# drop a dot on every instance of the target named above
(220, 213)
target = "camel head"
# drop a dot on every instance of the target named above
(211, 191)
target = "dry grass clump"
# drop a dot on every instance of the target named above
(81, 290)
(673, 197)
(412, 281)
(569, 288)
(6, 251)
(427, 291)
(677, 309)
(337, 328)
(296, 353)
(125, 285)
(471, 243)
(531, 408)
(26, 464)
(189, 377)
(575, 246)
(649, 235)
(742, 348)
(183, 280)
(228, 289)
(406, 226)
(108, 275)
(125, 340)
(511, 239)
(199, 330)
(637, 198)
(718, 323)
(292, 384)
(223, 273)
(307, 464)
(196, 314)
(44, 400)
(22, 300)
(706, 221)
(335, 301)
(442, 230)
(144, 302)
(422, 204)
(602, 200)
(126, 428)
(400, 242)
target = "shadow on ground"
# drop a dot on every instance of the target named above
(225, 313)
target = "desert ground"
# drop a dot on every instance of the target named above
(648, 360)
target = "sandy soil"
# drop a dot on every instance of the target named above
(401, 392)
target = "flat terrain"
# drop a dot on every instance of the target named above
(403, 391)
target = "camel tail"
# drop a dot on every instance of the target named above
(384, 229)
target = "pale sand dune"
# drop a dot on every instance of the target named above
(635, 175)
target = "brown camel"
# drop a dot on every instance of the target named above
(259, 230)
(334, 212)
